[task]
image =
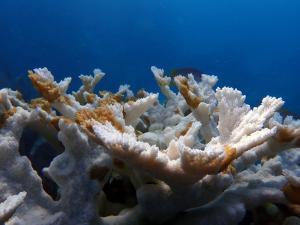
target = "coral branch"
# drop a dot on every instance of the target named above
(203, 155)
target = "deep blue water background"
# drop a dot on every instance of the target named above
(253, 45)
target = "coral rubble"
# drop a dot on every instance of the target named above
(203, 156)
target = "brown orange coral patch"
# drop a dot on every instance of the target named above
(294, 208)
(42, 103)
(6, 114)
(286, 134)
(184, 89)
(141, 93)
(90, 98)
(197, 164)
(47, 89)
(184, 131)
(230, 155)
(230, 169)
(98, 172)
(110, 100)
(292, 193)
(55, 120)
(64, 99)
(1, 99)
(101, 114)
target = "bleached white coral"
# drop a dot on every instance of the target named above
(135, 109)
(9, 206)
(203, 155)
(44, 74)
(89, 83)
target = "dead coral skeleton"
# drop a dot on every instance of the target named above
(203, 156)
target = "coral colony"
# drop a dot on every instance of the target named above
(203, 156)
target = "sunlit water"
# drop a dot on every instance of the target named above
(251, 45)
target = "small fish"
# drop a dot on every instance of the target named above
(185, 71)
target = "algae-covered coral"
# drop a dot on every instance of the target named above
(203, 156)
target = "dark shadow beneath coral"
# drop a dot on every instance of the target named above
(40, 153)
(119, 189)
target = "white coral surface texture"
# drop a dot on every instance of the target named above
(200, 156)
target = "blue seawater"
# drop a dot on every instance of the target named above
(253, 45)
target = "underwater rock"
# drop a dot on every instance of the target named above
(201, 157)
